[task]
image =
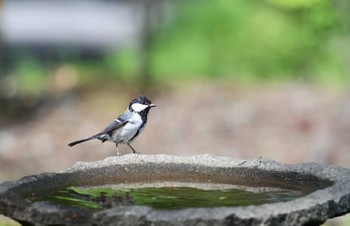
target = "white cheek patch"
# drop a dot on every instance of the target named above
(138, 107)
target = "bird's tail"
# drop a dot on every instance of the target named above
(81, 141)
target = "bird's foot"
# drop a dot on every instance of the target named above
(133, 150)
(136, 152)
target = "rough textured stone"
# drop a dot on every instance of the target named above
(330, 196)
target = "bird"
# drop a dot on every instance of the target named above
(126, 127)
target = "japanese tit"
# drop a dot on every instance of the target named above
(127, 126)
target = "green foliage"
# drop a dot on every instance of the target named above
(294, 4)
(250, 40)
(124, 63)
(31, 78)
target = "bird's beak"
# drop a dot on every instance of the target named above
(152, 105)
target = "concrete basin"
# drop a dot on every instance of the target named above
(326, 191)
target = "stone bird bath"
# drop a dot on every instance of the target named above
(323, 192)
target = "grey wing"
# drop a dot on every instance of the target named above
(106, 134)
(113, 126)
(118, 123)
(108, 131)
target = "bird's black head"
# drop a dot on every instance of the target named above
(141, 105)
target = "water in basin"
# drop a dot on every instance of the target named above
(169, 197)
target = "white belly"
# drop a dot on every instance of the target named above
(126, 133)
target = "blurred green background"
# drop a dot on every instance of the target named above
(256, 78)
(248, 42)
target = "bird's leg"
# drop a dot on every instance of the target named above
(133, 150)
(116, 145)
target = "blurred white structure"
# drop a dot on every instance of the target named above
(83, 23)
